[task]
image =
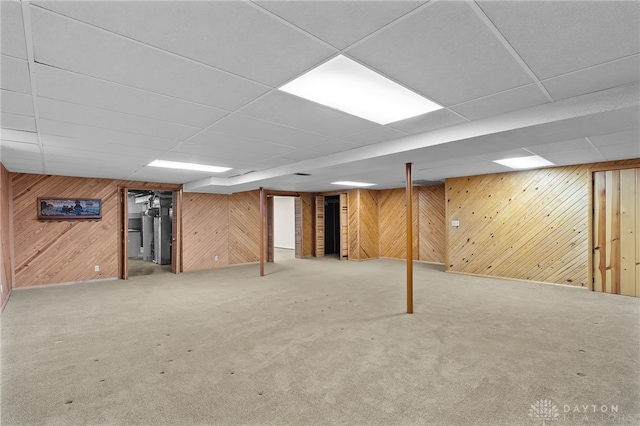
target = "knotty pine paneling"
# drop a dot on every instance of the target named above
(354, 237)
(308, 226)
(431, 203)
(530, 225)
(49, 252)
(6, 237)
(393, 224)
(368, 224)
(244, 227)
(205, 231)
(319, 225)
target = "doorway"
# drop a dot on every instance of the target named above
(332, 225)
(284, 227)
(150, 225)
(616, 226)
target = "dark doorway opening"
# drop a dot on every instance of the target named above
(332, 224)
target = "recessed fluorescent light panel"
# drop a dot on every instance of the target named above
(350, 183)
(530, 162)
(355, 89)
(188, 166)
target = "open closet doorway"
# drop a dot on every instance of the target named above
(284, 227)
(150, 228)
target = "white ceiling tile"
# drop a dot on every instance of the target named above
(18, 122)
(332, 146)
(60, 154)
(580, 156)
(14, 74)
(102, 118)
(18, 136)
(618, 138)
(98, 148)
(375, 135)
(12, 30)
(16, 103)
(621, 151)
(76, 88)
(218, 153)
(238, 143)
(277, 161)
(444, 52)
(155, 174)
(511, 100)
(512, 153)
(556, 37)
(217, 34)
(302, 154)
(427, 122)
(23, 166)
(612, 74)
(289, 110)
(86, 133)
(340, 23)
(562, 146)
(67, 44)
(17, 150)
(248, 127)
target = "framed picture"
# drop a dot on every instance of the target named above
(69, 209)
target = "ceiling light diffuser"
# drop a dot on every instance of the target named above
(188, 166)
(530, 162)
(347, 86)
(350, 183)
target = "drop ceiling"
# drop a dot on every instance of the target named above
(101, 89)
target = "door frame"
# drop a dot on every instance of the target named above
(270, 223)
(123, 222)
(344, 223)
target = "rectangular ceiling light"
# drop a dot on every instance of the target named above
(355, 89)
(530, 162)
(188, 166)
(350, 183)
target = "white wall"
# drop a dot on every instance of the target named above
(284, 222)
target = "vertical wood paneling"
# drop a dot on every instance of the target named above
(6, 237)
(244, 227)
(354, 231)
(49, 252)
(298, 227)
(270, 230)
(177, 265)
(615, 234)
(344, 226)
(320, 226)
(308, 228)
(431, 206)
(638, 232)
(205, 231)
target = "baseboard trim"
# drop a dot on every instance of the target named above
(516, 279)
(99, 280)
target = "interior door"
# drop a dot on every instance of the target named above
(616, 232)
(344, 226)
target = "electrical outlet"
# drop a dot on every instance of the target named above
(215, 258)
(97, 268)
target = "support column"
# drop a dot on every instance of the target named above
(409, 239)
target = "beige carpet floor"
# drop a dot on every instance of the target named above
(319, 342)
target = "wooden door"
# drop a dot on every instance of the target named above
(344, 227)
(319, 226)
(616, 232)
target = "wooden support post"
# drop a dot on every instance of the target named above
(409, 239)
(261, 231)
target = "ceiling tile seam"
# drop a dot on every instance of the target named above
(391, 24)
(14, 57)
(291, 25)
(106, 128)
(501, 92)
(188, 126)
(159, 49)
(503, 40)
(28, 35)
(595, 147)
(164, 95)
(591, 67)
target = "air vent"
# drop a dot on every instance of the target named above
(242, 174)
(302, 174)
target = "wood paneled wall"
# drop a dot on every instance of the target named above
(205, 231)
(392, 224)
(364, 233)
(308, 227)
(6, 236)
(244, 227)
(530, 225)
(431, 221)
(49, 252)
